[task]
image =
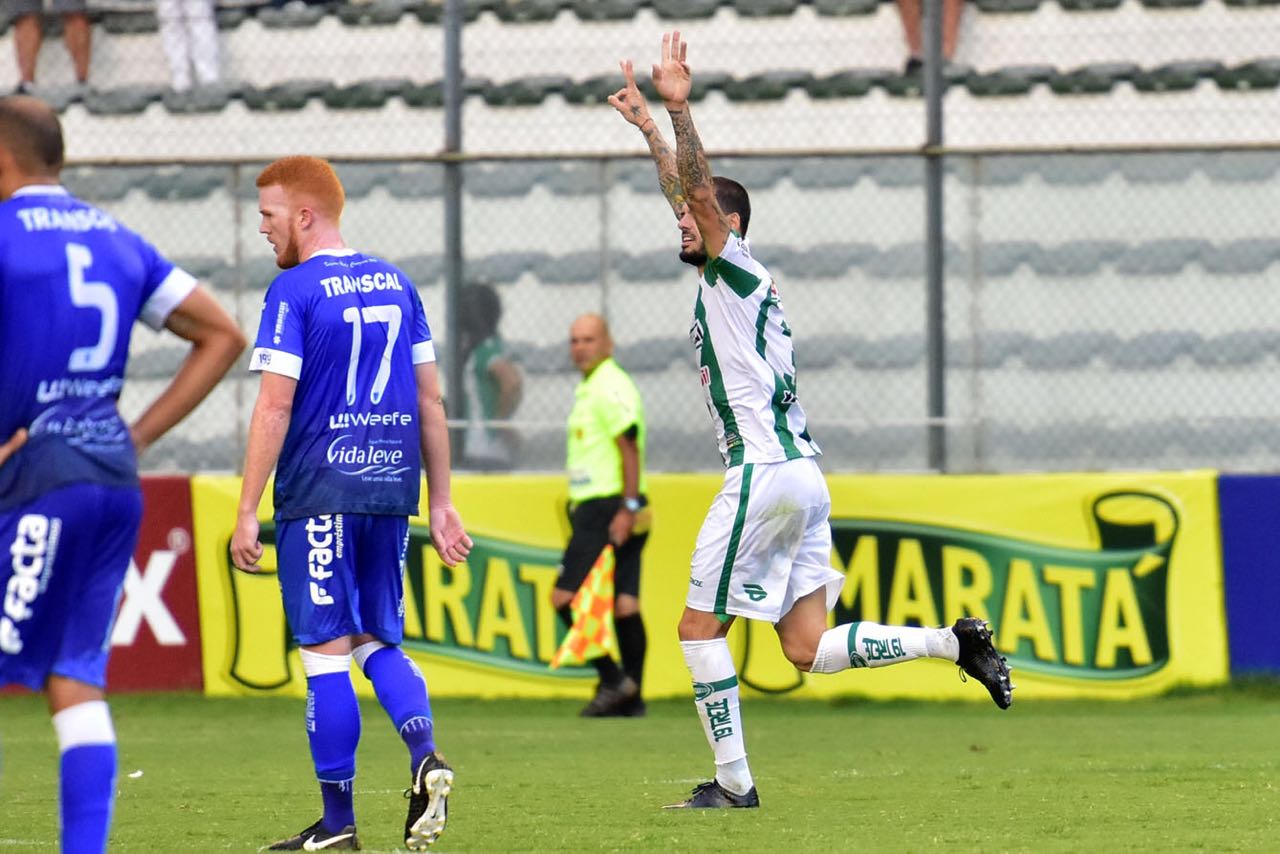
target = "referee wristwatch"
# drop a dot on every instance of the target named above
(633, 505)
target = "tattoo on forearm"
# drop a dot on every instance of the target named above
(668, 175)
(694, 171)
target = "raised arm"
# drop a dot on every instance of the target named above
(630, 102)
(674, 81)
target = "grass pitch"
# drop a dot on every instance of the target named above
(1196, 771)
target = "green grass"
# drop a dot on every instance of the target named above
(1196, 771)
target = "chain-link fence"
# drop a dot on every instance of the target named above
(1105, 309)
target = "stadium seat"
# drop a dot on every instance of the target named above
(186, 182)
(202, 99)
(1153, 349)
(432, 94)
(1079, 169)
(657, 264)
(1012, 80)
(895, 171)
(1004, 257)
(912, 85)
(577, 178)
(990, 350)
(1249, 256)
(768, 86)
(541, 359)
(525, 91)
(906, 261)
(840, 8)
(1089, 5)
(291, 95)
(124, 100)
(1171, 4)
(849, 83)
(525, 11)
(367, 94)
(1001, 7)
(994, 170)
(1162, 257)
(203, 267)
(1158, 168)
(229, 19)
(764, 8)
(606, 10)
(685, 9)
(424, 270)
(828, 172)
(1097, 78)
(505, 177)
(1068, 350)
(755, 173)
(104, 184)
(654, 354)
(1234, 349)
(291, 15)
(893, 353)
(155, 363)
(823, 261)
(593, 90)
(1259, 74)
(1240, 166)
(505, 267)
(373, 12)
(574, 268)
(1176, 76)
(820, 351)
(432, 11)
(1076, 258)
(1249, 4)
(638, 174)
(129, 23)
(359, 179)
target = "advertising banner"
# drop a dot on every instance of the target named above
(1095, 585)
(155, 644)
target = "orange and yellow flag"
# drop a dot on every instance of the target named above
(591, 634)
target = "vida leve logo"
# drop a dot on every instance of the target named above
(1095, 610)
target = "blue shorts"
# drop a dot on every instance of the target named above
(343, 574)
(63, 558)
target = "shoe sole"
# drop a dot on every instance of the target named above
(429, 826)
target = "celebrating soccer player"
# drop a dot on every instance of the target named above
(348, 408)
(764, 550)
(72, 282)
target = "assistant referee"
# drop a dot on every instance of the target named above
(605, 460)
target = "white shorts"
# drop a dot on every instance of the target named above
(766, 542)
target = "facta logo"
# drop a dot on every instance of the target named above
(323, 533)
(366, 459)
(31, 552)
(351, 420)
(1097, 611)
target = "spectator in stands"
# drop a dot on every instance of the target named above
(491, 383)
(189, 34)
(912, 13)
(28, 34)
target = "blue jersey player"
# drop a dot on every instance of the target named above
(72, 282)
(348, 411)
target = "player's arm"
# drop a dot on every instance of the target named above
(630, 102)
(12, 444)
(267, 428)
(447, 534)
(674, 81)
(624, 520)
(510, 386)
(216, 342)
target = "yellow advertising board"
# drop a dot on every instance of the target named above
(1103, 585)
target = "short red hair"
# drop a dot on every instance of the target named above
(309, 177)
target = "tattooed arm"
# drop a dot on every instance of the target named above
(674, 82)
(631, 104)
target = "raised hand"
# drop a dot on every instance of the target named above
(672, 77)
(629, 100)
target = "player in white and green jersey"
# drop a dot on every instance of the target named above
(764, 551)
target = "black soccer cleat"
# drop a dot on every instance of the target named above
(316, 838)
(711, 795)
(428, 802)
(612, 701)
(978, 658)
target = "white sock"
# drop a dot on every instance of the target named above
(715, 690)
(867, 644)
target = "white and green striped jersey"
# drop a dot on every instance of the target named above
(742, 345)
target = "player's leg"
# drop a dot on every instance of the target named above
(316, 560)
(70, 549)
(381, 542)
(28, 34)
(590, 523)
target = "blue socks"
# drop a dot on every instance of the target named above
(87, 741)
(333, 728)
(403, 693)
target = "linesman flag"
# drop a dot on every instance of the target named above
(591, 634)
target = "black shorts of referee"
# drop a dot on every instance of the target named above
(590, 520)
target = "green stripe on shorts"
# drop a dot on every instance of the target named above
(735, 536)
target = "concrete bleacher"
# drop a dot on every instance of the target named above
(773, 75)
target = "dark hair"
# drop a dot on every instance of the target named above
(733, 198)
(479, 310)
(31, 131)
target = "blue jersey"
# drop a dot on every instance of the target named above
(72, 282)
(349, 328)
